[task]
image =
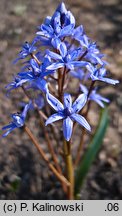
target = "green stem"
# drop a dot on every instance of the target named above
(69, 169)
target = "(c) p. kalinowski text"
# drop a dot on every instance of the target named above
(58, 207)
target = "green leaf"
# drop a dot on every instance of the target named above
(93, 149)
(15, 185)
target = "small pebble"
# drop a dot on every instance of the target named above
(19, 9)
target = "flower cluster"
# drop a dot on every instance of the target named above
(60, 52)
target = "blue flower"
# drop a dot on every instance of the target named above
(93, 54)
(99, 74)
(66, 16)
(79, 74)
(68, 59)
(39, 101)
(68, 112)
(38, 84)
(16, 83)
(61, 24)
(37, 70)
(36, 73)
(90, 48)
(78, 33)
(94, 96)
(18, 120)
(27, 49)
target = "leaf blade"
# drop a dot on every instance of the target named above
(93, 149)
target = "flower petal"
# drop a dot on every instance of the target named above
(56, 42)
(79, 63)
(7, 126)
(81, 120)
(79, 102)
(54, 102)
(61, 8)
(75, 53)
(98, 99)
(67, 30)
(54, 55)
(54, 117)
(110, 81)
(67, 128)
(40, 84)
(26, 108)
(67, 100)
(95, 57)
(99, 102)
(103, 98)
(63, 49)
(9, 131)
(84, 89)
(34, 64)
(55, 66)
(79, 74)
(69, 65)
(90, 68)
(47, 29)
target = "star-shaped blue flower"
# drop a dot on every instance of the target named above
(18, 120)
(35, 74)
(91, 50)
(94, 96)
(16, 83)
(93, 53)
(27, 49)
(35, 69)
(68, 59)
(99, 74)
(68, 112)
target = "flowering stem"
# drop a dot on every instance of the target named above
(60, 84)
(80, 147)
(46, 135)
(53, 78)
(54, 156)
(45, 117)
(69, 169)
(91, 88)
(51, 150)
(63, 81)
(61, 178)
(36, 59)
(83, 55)
(41, 114)
(50, 147)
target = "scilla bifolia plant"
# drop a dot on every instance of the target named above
(59, 54)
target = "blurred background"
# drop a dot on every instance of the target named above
(23, 175)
